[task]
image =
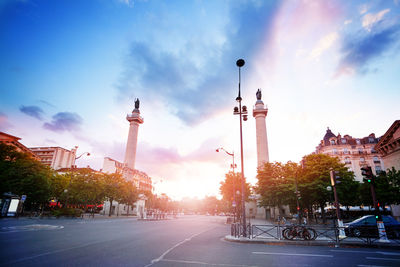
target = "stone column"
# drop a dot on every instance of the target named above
(259, 113)
(134, 121)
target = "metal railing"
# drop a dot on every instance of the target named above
(318, 233)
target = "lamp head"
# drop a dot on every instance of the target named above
(240, 63)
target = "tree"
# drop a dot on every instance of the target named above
(85, 187)
(230, 186)
(129, 194)
(276, 184)
(23, 175)
(315, 178)
(112, 184)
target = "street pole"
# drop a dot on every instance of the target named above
(297, 199)
(240, 63)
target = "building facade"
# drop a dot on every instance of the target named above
(354, 152)
(12, 140)
(389, 146)
(139, 178)
(56, 157)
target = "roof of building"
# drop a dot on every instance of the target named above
(14, 141)
(389, 134)
(328, 135)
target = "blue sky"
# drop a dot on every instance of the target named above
(70, 70)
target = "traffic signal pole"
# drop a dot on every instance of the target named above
(342, 234)
(370, 178)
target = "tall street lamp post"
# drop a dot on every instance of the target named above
(233, 166)
(242, 112)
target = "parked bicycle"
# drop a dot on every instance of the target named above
(299, 231)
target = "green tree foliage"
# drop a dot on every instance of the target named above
(22, 175)
(113, 186)
(276, 182)
(129, 193)
(86, 187)
(315, 178)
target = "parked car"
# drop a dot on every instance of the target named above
(366, 227)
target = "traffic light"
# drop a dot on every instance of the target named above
(368, 175)
(335, 178)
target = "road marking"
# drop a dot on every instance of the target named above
(175, 246)
(385, 259)
(293, 254)
(206, 263)
(361, 265)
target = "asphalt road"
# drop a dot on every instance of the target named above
(186, 241)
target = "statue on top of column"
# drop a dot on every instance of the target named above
(137, 103)
(258, 94)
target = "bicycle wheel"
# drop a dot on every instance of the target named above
(305, 234)
(313, 233)
(289, 233)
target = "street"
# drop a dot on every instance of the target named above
(186, 241)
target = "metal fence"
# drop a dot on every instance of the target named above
(317, 233)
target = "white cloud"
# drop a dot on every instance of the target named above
(347, 21)
(370, 19)
(323, 44)
(363, 9)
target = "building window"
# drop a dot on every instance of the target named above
(378, 169)
(373, 150)
(347, 160)
(358, 142)
(371, 139)
(376, 160)
(343, 140)
(360, 151)
(345, 151)
(335, 151)
(362, 159)
(332, 142)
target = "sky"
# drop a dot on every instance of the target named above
(70, 71)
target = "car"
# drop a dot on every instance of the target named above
(366, 227)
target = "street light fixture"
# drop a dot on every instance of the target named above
(242, 112)
(233, 166)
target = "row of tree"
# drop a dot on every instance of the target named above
(22, 175)
(276, 185)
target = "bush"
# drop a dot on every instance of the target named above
(69, 212)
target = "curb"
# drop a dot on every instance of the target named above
(230, 238)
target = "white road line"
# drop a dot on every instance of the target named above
(206, 263)
(362, 265)
(352, 251)
(293, 254)
(385, 259)
(176, 245)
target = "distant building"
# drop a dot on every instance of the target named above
(389, 146)
(55, 157)
(354, 152)
(14, 141)
(139, 178)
